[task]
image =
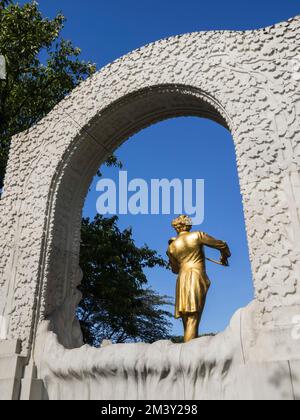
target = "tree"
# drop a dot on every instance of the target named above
(34, 86)
(116, 302)
(116, 305)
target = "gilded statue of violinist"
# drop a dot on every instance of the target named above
(187, 259)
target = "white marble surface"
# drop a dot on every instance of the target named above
(241, 363)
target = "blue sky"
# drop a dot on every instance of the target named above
(105, 30)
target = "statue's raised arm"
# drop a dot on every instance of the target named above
(216, 244)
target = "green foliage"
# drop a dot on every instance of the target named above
(42, 68)
(116, 304)
(4, 3)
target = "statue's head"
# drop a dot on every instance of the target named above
(182, 224)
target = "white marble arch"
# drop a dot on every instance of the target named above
(246, 81)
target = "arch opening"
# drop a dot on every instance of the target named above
(94, 143)
(181, 149)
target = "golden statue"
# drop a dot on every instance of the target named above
(187, 259)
